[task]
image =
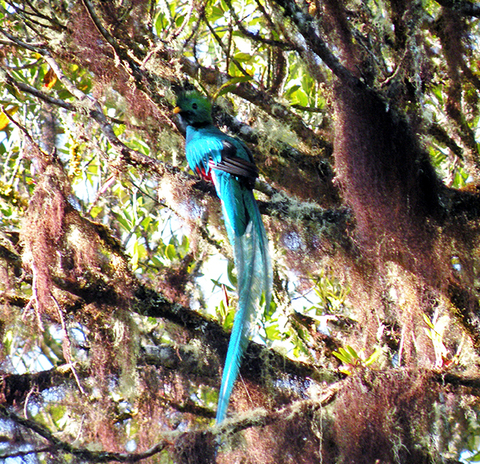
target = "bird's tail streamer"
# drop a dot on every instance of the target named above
(254, 275)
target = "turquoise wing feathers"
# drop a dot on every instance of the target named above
(229, 165)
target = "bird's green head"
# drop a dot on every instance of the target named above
(194, 109)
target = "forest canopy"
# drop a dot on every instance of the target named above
(117, 279)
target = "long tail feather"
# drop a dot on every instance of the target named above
(254, 273)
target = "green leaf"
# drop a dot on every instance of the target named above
(179, 20)
(474, 458)
(291, 90)
(138, 253)
(301, 97)
(428, 321)
(156, 262)
(8, 340)
(123, 221)
(182, 248)
(228, 321)
(341, 356)
(170, 252)
(230, 273)
(224, 5)
(352, 352)
(272, 332)
(231, 84)
(270, 310)
(58, 413)
(160, 23)
(95, 211)
(146, 222)
(373, 357)
(241, 56)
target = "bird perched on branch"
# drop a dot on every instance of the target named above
(228, 163)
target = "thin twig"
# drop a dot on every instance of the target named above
(39, 152)
(89, 102)
(186, 21)
(36, 48)
(222, 46)
(34, 299)
(255, 36)
(67, 346)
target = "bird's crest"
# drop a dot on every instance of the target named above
(194, 107)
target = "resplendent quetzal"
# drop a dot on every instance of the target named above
(228, 163)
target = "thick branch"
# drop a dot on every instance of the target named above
(257, 97)
(14, 388)
(462, 7)
(149, 303)
(84, 453)
(305, 25)
(283, 207)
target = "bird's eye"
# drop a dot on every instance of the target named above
(194, 106)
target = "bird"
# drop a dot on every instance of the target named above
(228, 163)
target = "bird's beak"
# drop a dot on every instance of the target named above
(177, 110)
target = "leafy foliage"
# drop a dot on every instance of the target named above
(117, 286)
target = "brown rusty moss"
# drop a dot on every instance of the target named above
(380, 417)
(387, 180)
(124, 18)
(451, 29)
(193, 206)
(72, 259)
(173, 280)
(398, 261)
(289, 440)
(95, 54)
(195, 448)
(394, 194)
(311, 178)
(61, 247)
